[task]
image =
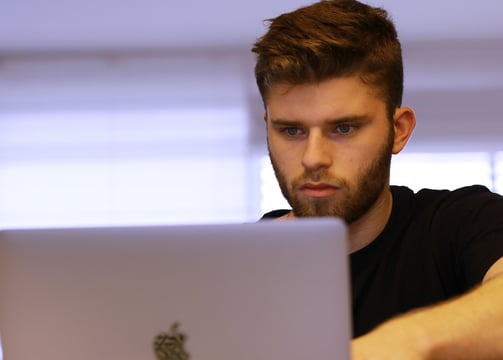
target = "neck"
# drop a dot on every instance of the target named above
(366, 229)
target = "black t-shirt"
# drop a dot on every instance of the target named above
(437, 244)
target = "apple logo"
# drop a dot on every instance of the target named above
(171, 346)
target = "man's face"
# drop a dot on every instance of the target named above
(330, 144)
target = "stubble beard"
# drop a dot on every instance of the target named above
(359, 197)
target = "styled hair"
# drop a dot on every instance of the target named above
(329, 39)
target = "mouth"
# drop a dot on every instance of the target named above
(318, 190)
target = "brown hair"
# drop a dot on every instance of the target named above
(332, 38)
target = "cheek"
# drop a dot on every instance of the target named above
(286, 160)
(281, 150)
(351, 162)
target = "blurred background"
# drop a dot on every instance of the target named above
(146, 111)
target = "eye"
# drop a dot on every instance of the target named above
(344, 129)
(292, 131)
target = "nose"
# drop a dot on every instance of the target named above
(317, 152)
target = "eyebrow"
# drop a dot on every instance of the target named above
(342, 120)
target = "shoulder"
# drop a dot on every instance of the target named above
(463, 213)
(464, 198)
(451, 210)
(274, 214)
(468, 194)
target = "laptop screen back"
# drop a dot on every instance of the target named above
(270, 290)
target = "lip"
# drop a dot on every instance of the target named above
(318, 189)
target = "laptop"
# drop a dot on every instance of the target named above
(267, 290)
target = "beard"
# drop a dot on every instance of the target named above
(360, 196)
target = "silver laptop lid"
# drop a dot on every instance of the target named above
(270, 290)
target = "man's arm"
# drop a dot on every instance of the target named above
(467, 327)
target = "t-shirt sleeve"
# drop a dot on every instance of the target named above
(474, 217)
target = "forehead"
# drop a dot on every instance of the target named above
(336, 97)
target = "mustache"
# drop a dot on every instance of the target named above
(319, 177)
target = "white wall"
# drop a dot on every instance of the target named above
(126, 138)
(456, 88)
(191, 120)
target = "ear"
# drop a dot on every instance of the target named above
(265, 116)
(404, 122)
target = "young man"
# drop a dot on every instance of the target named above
(427, 268)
